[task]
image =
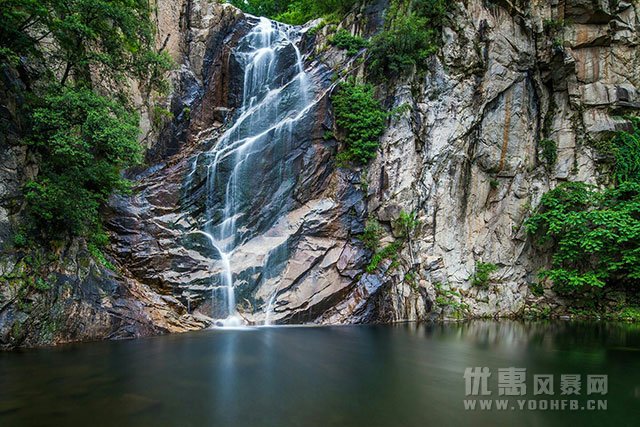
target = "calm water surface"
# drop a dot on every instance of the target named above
(356, 376)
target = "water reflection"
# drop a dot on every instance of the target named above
(407, 375)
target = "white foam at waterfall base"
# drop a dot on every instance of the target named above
(266, 119)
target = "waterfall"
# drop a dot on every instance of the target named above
(248, 181)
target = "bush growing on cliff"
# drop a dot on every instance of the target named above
(398, 50)
(372, 234)
(84, 140)
(595, 234)
(361, 120)
(625, 148)
(343, 39)
(76, 36)
(388, 252)
(549, 152)
(408, 224)
(482, 275)
(413, 32)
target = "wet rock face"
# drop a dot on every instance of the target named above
(291, 210)
(85, 303)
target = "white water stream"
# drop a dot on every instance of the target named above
(271, 107)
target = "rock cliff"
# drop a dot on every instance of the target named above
(465, 155)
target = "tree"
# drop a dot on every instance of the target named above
(413, 32)
(84, 141)
(113, 35)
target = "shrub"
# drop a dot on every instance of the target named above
(20, 240)
(372, 235)
(160, 116)
(343, 39)
(626, 152)
(482, 275)
(447, 298)
(595, 234)
(413, 33)
(408, 223)
(398, 50)
(84, 141)
(360, 118)
(388, 252)
(553, 25)
(631, 314)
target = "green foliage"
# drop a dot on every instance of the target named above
(447, 298)
(313, 31)
(549, 152)
(328, 135)
(631, 314)
(84, 140)
(537, 312)
(81, 139)
(98, 255)
(388, 252)
(160, 116)
(398, 50)
(595, 234)
(626, 152)
(372, 235)
(482, 275)
(150, 68)
(186, 114)
(413, 33)
(557, 44)
(343, 39)
(553, 25)
(360, 118)
(411, 279)
(295, 12)
(364, 183)
(408, 223)
(20, 240)
(29, 274)
(114, 35)
(537, 289)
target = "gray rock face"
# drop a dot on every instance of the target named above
(466, 158)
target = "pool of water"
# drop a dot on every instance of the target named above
(407, 375)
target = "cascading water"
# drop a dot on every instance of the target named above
(276, 95)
